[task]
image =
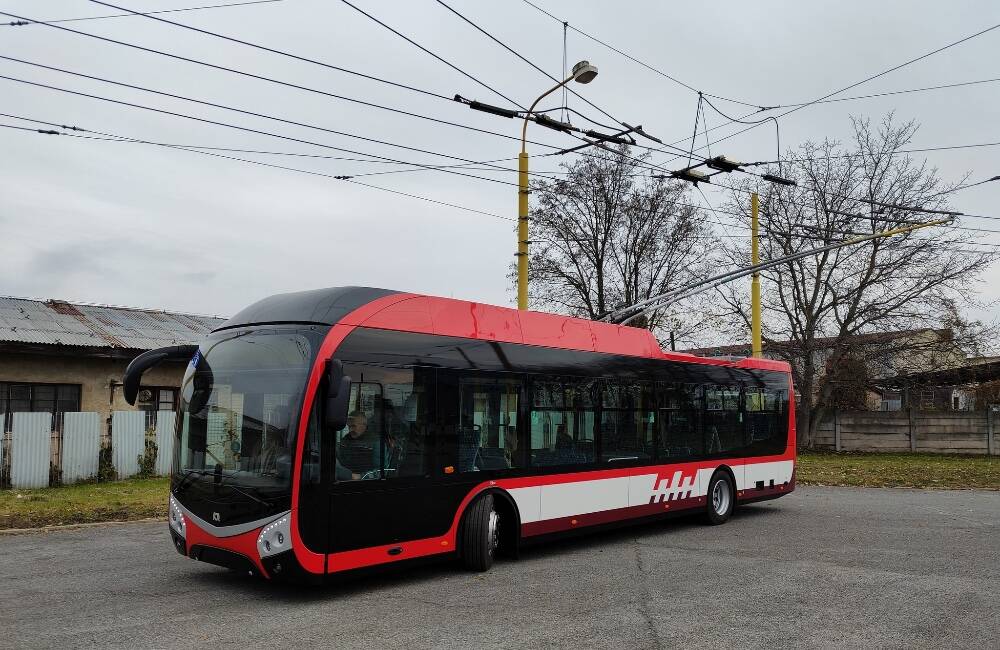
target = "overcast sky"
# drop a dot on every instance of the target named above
(147, 226)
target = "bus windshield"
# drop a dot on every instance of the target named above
(240, 400)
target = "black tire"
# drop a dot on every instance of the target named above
(480, 538)
(720, 499)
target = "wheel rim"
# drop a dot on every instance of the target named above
(720, 497)
(494, 531)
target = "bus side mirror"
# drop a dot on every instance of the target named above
(336, 405)
(335, 373)
(338, 396)
(145, 361)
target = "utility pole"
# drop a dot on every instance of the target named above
(756, 345)
(583, 73)
(522, 230)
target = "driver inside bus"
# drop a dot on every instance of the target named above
(356, 449)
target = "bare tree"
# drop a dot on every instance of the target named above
(607, 235)
(813, 307)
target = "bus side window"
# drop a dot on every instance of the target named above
(723, 419)
(627, 421)
(561, 431)
(680, 422)
(388, 423)
(767, 420)
(487, 433)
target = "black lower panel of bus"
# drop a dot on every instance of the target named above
(283, 567)
(374, 517)
(220, 557)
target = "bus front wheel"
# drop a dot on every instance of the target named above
(721, 498)
(480, 534)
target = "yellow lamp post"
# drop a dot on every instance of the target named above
(756, 345)
(583, 73)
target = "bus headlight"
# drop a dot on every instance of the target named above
(275, 538)
(176, 517)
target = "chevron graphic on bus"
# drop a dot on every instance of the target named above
(669, 488)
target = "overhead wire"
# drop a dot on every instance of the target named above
(803, 105)
(424, 49)
(117, 138)
(22, 23)
(297, 86)
(242, 42)
(294, 85)
(525, 59)
(347, 179)
(270, 134)
(893, 92)
(898, 152)
(635, 60)
(296, 154)
(393, 144)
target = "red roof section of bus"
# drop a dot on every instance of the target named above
(473, 320)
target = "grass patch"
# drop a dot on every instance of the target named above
(84, 503)
(898, 470)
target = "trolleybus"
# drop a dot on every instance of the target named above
(327, 431)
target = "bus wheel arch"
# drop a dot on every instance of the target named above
(490, 509)
(713, 515)
(510, 518)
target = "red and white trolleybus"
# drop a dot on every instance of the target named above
(332, 430)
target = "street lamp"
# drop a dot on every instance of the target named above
(583, 73)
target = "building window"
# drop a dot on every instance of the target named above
(153, 399)
(37, 398)
(157, 398)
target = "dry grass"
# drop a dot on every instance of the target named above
(84, 503)
(899, 470)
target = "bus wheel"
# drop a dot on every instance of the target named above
(721, 498)
(480, 534)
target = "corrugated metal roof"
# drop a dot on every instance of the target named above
(56, 322)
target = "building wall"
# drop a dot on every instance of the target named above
(99, 377)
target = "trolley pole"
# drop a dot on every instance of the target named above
(756, 345)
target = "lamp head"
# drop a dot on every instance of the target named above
(584, 73)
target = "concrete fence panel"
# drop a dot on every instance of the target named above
(3, 441)
(824, 435)
(30, 450)
(960, 433)
(81, 446)
(164, 441)
(128, 441)
(945, 432)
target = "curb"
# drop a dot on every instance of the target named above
(93, 524)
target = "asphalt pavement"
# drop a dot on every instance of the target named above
(820, 568)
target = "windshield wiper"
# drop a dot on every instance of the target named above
(186, 480)
(247, 494)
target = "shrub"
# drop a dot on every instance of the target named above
(147, 460)
(106, 465)
(55, 475)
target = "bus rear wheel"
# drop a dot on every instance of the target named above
(480, 534)
(721, 498)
